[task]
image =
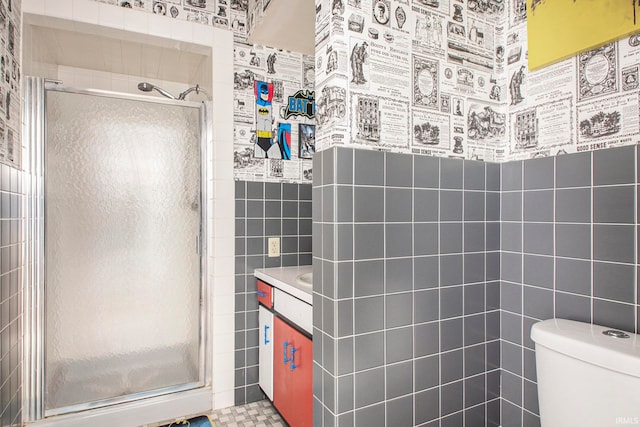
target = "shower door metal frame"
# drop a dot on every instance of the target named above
(34, 279)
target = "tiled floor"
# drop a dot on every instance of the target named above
(257, 414)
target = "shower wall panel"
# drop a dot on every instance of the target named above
(10, 296)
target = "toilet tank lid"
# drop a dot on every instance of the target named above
(587, 342)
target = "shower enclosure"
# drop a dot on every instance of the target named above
(115, 296)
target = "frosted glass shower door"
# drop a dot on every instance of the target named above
(122, 264)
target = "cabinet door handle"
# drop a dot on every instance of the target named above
(293, 358)
(261, 294)
(286, 360)
(266, 341)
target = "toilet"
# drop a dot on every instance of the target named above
(588, 375)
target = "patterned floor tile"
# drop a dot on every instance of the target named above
(256, 414)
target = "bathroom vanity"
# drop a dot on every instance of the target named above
(286, 349)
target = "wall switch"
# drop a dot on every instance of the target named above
(274, 246)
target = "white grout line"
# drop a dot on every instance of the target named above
(591, 254)
(636, 298)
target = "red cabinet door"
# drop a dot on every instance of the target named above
(292, 374)
(265, 293)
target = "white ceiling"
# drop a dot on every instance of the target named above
(287, 24)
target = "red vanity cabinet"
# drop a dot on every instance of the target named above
(292, 374)
(285, 317)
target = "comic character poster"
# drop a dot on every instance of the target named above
(306, 141)
(265, 148)
(284, 140)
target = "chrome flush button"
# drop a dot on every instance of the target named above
(615, 334)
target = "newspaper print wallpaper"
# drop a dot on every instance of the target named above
(419, 76)
(450, 78)
(10, 122)
(437, 77)
(226, 14)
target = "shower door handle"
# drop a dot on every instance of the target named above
(198, 245)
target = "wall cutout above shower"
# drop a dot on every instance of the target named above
(88, 56)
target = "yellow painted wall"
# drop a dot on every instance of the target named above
(558, 29)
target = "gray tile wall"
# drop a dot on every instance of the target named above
(10, 296)
(569, 250)
(263, 210)
(406, 290)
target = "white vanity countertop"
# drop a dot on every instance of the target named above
(285, 278)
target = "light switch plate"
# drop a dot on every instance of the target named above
(274, 246)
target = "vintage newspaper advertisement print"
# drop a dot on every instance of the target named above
(552, 82)
(613, 121)
(331, 107)
(486, 124)
(426, 83)
(331, 60)
(378, 121)
(246, 166)
(542, 127)
(471, 44)
(598, 72)
(517, 12)
(428, 33)
(469, 82)
(430, 131)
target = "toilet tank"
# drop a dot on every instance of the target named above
(586, 378)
